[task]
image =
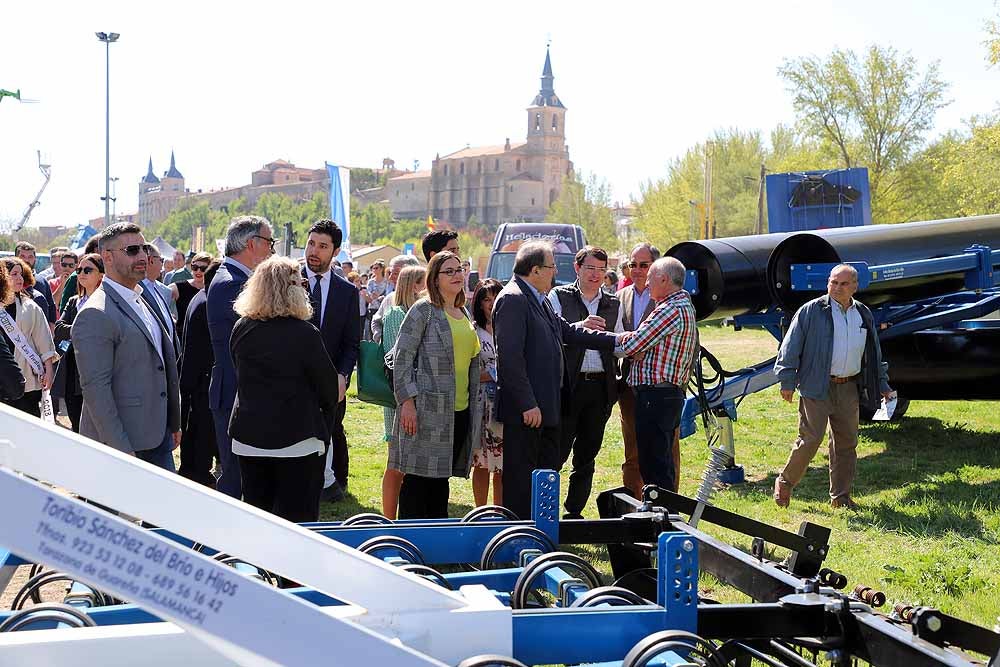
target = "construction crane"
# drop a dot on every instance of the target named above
(46, 170)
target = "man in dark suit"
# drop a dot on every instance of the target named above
(637, 304)
(336, 315)
(529, 338)
(152, 293)
(41, 293)
(198, 444)
(249, 242)
(127, 370)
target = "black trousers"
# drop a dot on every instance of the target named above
(585, 414)
(198, 439)
(29, 403)
(338, 441)
(288, 488)
(427, 497)
(524, 451)
(74, 408)
(657, 415)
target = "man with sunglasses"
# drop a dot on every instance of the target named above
(637, 304)
(64, 267)
(158, 296)
(128, 372)
(249, 242)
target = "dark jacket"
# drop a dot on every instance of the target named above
(342, 324)
(287, 387)
(631, 321)
(222, 318)
(196, 350)
(575, 310)
(42, 287)
(529, 342)
(66, 373)
(803, 360)
(11, 379)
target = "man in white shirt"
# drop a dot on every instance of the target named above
(157, 295)
(128, 373)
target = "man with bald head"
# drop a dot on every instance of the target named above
(831, 354)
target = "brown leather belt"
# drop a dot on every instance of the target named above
(839, 380)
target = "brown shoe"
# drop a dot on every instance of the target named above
(782, 493)
(845, 502)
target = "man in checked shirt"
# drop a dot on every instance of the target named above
(663, 348)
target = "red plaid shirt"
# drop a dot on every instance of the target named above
(669, 337)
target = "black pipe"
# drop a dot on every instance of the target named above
(881, 244)
(954, 364)
(731, 273)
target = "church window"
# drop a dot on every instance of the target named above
(461, 168)
(512, 188)
(411, 187)
(446, 170)
(555, 123)
(532, 201)
(538, 122)
(479, 167)
(496, 165)
(517, 166)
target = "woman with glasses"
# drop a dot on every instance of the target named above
(183, 291)
(436, 382)
(286, 393)
(66, 384)
(30, 327)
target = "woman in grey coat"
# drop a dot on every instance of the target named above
(436, 382)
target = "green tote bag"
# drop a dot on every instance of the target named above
(373, 383)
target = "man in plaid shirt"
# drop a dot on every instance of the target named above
(663, 348)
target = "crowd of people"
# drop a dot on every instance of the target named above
(244, 362)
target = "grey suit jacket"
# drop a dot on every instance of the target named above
(130, 396)
(631, 321)
(424, 370)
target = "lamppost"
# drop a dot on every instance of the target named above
(107, 38)
(114, 199)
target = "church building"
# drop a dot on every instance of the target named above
(501, 183)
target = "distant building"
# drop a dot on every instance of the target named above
(494, 183)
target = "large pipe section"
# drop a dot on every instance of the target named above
(876, 245)
(960, 364)
(731, 273)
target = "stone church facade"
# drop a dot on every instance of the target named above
(510, 181)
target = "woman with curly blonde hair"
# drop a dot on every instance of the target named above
(286, 393)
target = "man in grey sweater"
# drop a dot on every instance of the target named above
(831, 354)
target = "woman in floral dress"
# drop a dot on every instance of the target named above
(487, 458)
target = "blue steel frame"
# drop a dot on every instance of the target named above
(554, 635)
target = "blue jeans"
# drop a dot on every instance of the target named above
(230, 483)
(161, 456)
(657, 415)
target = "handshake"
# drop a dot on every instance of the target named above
(597, 323)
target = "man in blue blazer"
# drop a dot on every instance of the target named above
(249, 242)
(336, 315)
(529, 339)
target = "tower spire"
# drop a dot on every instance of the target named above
(150, 176)
(547, 95)
(173, 173)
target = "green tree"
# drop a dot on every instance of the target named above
(874, 111)
(586, 202)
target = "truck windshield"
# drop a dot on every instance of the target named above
(502, 267)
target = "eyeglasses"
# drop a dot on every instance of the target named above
(130, 250)
(201, 268)
(639, 265)
(451, 272)
(546, 266)
(270, 242)
(587, 267)
(86, 270)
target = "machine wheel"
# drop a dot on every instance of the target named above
(614, 596)
(510, 539)
(491, 661)
(642, 582)
(698, 650)
(367, 519)
(61, 613)
(523, 586)
(394, 546)
(489, 513)
(428, 573)
(33, 587)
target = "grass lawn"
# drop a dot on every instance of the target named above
(929, 531)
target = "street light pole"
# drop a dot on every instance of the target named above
(107, 38)
(114, 199)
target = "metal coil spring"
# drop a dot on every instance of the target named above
(710, 477)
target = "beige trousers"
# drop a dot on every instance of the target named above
(631, 478)
(840, 412)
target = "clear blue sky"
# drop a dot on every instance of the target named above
(230, 86)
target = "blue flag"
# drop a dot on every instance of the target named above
(340, 205)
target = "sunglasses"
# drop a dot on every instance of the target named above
(86, 270)
(270, 242)
(130, 250)
(200, 268)
(68, 265)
